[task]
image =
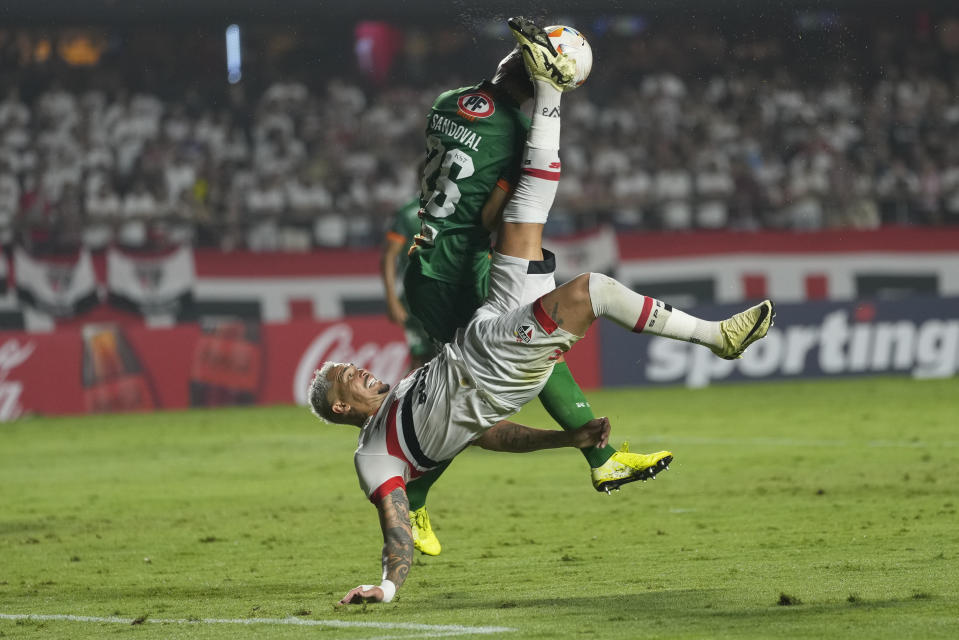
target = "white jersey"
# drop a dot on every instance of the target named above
(429, 417)
(494, 366)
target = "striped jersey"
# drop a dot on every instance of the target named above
(426, 419)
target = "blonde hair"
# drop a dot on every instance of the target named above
(320, 403)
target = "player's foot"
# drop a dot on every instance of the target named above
(623, 467)
(542, 59)
(423, 537)
(745, 328)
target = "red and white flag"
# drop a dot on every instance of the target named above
(151, 285)
(59, 286)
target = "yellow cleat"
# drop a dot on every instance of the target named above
(423, 537)
(624, 467)
(745, 328)
(542, 59)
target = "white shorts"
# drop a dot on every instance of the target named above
(511, 344)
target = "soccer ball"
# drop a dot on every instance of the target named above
(571, 42)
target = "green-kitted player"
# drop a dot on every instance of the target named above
(475, 139)
(393, 263)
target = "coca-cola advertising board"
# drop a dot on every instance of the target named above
(103, 367)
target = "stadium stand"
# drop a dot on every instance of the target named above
(709, 132)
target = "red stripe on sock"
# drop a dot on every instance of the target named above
(644, 316)
(544, 174)
(549, 326)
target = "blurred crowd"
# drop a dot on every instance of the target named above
(670, 133)
(306, 170)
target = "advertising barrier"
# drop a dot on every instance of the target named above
(104, 367)
(686, 269)
(914, 336)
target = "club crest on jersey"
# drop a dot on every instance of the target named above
(475, 105)
(524, 333)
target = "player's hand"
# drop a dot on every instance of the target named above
(594, 433)
(363, 594)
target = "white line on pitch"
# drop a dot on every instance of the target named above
(423, 630)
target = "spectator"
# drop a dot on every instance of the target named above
(307, 197)
(180, 176)
(716, 132)
(9, 202)
(138, 207)
(103, 205)
(897, 188)
(714, 186)
(265, 198)
(950, 188)
(673, 192)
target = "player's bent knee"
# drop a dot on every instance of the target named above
(598, 288)
(582, 283)
(579, 288)
(571, 303)
(573, 295)
(582, 289)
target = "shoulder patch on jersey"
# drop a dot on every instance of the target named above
(475, 105)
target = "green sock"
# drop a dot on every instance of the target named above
(564, 401)
(417, 488)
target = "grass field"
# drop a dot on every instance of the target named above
(802, 510)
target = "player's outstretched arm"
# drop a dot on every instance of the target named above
(392, 247)
(394, 510)
(516, 438)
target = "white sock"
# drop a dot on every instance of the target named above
(545, 123)
(642, 314)
(534, 193)
(682, 326)
(539, 180)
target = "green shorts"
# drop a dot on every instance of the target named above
(420, 343)
(442, 307)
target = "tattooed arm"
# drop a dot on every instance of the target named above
(516, 438)
(397, 536)
(394, 510)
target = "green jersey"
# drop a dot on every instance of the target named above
(475, 137)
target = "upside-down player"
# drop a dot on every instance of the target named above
(503, 357)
